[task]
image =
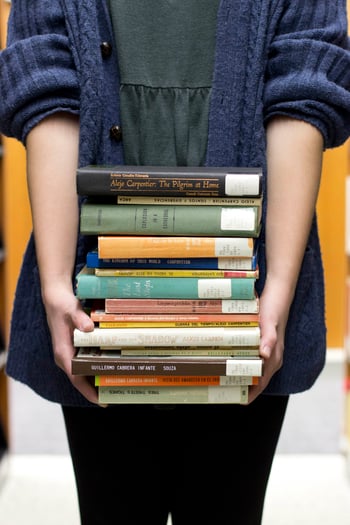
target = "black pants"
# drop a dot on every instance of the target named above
(206, 464)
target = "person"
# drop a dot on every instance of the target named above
(230, 83)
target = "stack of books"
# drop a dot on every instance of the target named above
(171, 283)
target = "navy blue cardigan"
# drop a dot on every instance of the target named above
(273, 57)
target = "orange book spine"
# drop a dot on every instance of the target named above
(114, 380)
(110, 247)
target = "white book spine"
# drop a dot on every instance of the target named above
(235, 336)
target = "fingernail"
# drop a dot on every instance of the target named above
(267, 350)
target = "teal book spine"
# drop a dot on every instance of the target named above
(91, 286)
(133, 219)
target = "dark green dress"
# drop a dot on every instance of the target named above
(165, 55)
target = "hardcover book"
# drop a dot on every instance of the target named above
(175, 381)
(218, 306)
(169, 395)
(187, 201)
(211, 274)
(173, 324)
(171, 181)
(91, 286)
(92, 362)
(214, 351)
(209, 263)
(112, 246)
(231, 336)
(133, 219)
(99, 316)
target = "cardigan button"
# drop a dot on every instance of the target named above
(106, 49)
(116, 133)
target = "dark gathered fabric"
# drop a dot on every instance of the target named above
(204, 464)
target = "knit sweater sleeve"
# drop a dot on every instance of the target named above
(308, 72)
(38, 76)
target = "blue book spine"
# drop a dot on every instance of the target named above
(200, 263)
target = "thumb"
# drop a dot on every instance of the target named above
(82, 320)
(267, 340)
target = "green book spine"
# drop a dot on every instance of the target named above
(178, 395)
(91, 286)
(133, 219)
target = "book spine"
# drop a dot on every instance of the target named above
(101, 316)
(213, 274)
(173, 324)
(209, 263)
(174, 182)
(133, 219)
(235, 336)
(189, 201)
(192, 351)
(94, 287)
(219, 306)
(169, 395)
(165, 247)
(176, 381)
(129, 365)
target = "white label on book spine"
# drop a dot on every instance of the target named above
(235, 263)
(214, 288)
(238, 219)
(233, 394)
(235, 380)
(238, 306)
(242, 184)
(237, 247)
(237, 367)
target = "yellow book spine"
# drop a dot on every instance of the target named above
(220, 274)
(174, 324)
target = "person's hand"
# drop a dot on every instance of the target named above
(64, 313)
(274, 308)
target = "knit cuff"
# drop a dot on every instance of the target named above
(310, 80)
